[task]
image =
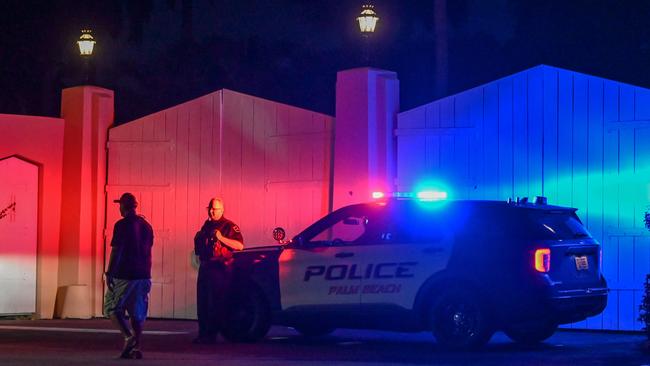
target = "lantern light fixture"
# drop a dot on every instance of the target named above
(367, 19)
(86, 43)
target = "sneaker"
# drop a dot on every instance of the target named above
(135, 354)
(129, 345)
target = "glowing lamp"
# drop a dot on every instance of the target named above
(86, 43)
(431, 195)
(367, 19)
(543, 260)
(377, 195)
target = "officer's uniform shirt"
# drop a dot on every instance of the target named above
(205, 245)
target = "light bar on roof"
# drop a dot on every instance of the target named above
(421, 195)
(432, 195)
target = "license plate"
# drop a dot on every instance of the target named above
(582, 263)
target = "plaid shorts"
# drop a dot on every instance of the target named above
(129, 295)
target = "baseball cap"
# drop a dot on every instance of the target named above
(128, 200)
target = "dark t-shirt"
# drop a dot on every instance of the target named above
(206, 247)
(133, 239)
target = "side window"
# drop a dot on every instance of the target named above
(418, 233)
(346, 230)
(353, 225)
(413, 227)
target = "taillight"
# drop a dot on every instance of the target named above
(543, 260)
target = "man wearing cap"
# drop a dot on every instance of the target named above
(128, 277)
(214, 245)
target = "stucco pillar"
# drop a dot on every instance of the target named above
(367, 103)
(88, 112)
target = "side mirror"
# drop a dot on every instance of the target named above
(298, 240)
(279, 234)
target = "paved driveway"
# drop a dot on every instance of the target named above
(93, 342)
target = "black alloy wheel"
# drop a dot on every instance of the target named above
(460, 321)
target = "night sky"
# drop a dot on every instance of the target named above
(158, 53)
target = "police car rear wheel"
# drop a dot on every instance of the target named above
(249, 317)
(531, 333)
(460, 321)
(313, 330)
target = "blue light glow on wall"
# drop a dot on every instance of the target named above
(580, 140)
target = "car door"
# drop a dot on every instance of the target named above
(321, 268)
(411, 247)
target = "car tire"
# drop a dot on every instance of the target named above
(531, 333)
(313, 330)
(249, 317)
(460, 321)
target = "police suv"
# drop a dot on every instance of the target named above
(460, 269)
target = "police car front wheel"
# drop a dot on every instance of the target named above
(460, 320)
(249, 317)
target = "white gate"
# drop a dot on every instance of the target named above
(18, 235)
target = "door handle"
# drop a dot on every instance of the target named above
(343, 254)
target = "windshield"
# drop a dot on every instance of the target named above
(559, 225)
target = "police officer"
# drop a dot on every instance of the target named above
(128, 278)
(214, 245)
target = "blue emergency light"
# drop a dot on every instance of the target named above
(432, 195)
(420, 195)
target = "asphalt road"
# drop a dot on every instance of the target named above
(93, 342)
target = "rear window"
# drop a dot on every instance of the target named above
(558, 225)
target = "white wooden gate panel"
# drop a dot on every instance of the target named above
(261, 157)
(18, 235)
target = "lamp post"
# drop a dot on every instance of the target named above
(367, 22)
(86, 45)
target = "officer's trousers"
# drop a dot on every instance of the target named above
(211, 297)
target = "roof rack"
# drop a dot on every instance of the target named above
(539, 200)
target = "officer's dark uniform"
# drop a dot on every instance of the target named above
(214, 275)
